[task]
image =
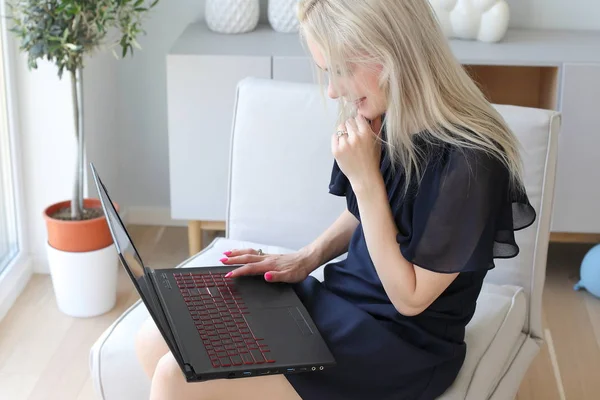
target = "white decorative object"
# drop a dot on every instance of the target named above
(483, 20)
(85, 283)
(232, 16)
(283, 15)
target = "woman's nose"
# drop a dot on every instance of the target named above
(331, 92)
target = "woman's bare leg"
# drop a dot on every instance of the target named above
(169, 383)
(150, 346)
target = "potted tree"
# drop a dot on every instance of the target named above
(81, 255)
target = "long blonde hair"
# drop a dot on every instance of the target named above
(426, 87)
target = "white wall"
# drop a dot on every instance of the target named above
(102, 125)
(143, 113)
(555, 14)
(48, 147)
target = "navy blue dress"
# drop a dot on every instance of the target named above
(461, 217)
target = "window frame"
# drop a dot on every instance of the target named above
(18, 271)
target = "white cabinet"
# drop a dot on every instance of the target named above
(295, 69)
(201, 96)
(577, 199)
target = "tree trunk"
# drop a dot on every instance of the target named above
(77, 94)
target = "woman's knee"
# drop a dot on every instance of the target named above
(168, 371)
(149, 346)
(168, 381)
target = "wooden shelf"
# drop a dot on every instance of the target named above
(530, 86)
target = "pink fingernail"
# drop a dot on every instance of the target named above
(228, 275)
(227, 253)
(268, 276)
(223, 259)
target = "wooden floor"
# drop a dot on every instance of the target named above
(44, 354)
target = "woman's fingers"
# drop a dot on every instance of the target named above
(277, 276)
(362, 124)
(351, 127)
(250, 269)
(239, 252)
(334, 143)
(243, 259)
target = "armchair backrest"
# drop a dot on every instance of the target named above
(280, 165)
(537, 131)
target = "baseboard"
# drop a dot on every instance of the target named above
(570, 237)
(12, 283)
(150, 216)
(40, 265)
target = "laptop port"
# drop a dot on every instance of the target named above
(321, 368)
(264, 372)
(291, 369)
(246, 373)
(231, 375)
(314, 368)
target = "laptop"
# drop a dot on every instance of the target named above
(219, 327)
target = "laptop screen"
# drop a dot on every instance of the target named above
(132, 263)
(121, 238)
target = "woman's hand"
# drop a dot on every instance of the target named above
(291, 268)
(358, 153)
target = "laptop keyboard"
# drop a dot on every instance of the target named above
(220, 316)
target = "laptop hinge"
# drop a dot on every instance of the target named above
(189, 371)
(179, 356)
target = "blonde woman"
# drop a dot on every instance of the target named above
(432, 179)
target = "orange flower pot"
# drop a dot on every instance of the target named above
(77, 236)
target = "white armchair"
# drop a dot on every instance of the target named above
(281, 133)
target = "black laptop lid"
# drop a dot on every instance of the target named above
(132, 262)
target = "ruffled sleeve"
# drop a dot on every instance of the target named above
(463, 214)
(338, 184)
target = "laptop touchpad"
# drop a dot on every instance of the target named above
(256, 292)
(300, 321)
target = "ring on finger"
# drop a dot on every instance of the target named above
(341, 133)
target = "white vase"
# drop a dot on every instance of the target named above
(283, 15)
(232, 16)
(483, 20)
(85, 283)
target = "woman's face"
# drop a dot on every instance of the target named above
(361, 87)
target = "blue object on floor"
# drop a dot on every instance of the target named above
(590, 272)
